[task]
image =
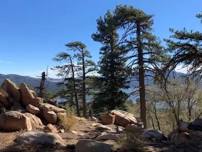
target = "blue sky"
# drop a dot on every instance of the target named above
(32, 32)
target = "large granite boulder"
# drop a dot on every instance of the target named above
(12, 89)
(107, 118)
(35, 121)
(40, 138)
(50, 116)
(4, 98)
(14, 121)
(123, 118)
(50, 107)
(32, 109)
(27, 96)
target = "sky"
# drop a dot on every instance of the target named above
(32, 32)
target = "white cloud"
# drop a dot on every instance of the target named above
(52, 73)
(183, 69)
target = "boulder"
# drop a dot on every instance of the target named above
(50, 116)
(51, 128)
(34, 93)
(35, 121)
(37, 101)
(123, 118)
(4, 98)
(92, 146)
(27, 96)
(107, 118)
(39, 138)
(154, 135)
(12, 89)
(196, 125)
(179, 138)
(32, 109)
(14, 121)
(49, 107)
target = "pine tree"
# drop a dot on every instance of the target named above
(85, 66)
(142, 46)
(113, 78)
(185, 47)
(68, 71)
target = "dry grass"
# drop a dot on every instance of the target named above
(67, 121)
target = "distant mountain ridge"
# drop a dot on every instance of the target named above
(51, 84)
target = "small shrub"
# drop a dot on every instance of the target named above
(67, 121)
(132, 141)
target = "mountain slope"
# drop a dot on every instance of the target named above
(51, 84)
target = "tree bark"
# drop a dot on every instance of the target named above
(141, 77)
(156, 117)
(84, 84)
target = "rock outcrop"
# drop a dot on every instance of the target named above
(28, 111)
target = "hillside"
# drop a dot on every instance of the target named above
(51, 84)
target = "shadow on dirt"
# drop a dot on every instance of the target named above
(37, 148)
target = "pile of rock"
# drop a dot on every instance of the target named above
(22, 109)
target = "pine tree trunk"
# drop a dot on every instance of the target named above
(74, 87)
(156, 117)
(141, 78)
(84, 84)
(189, 108)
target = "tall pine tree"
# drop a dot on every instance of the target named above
(85, 66)
(68, 71)
(143, 49)
(113, 72)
